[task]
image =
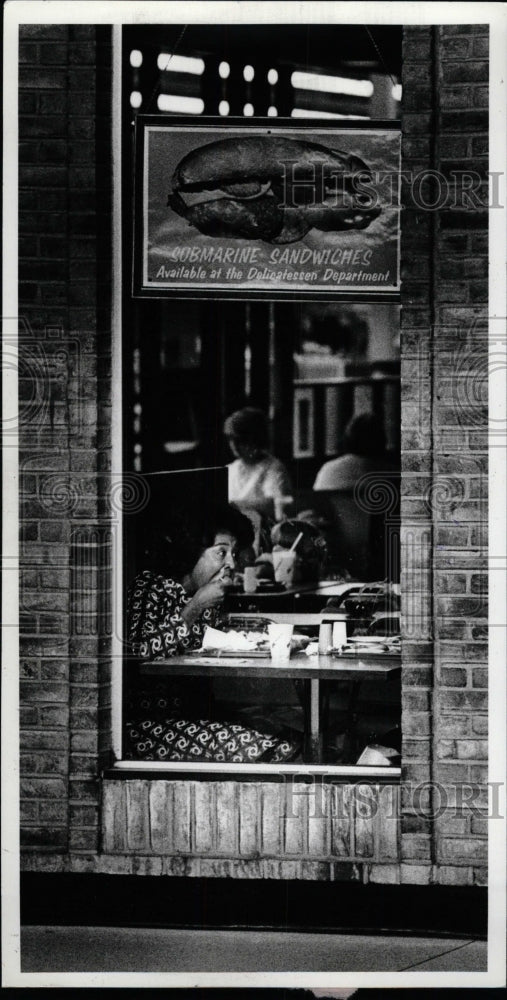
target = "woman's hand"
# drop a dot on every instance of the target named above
(210, 595)
(213, 593)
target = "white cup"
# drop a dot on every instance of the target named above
(339, 634)
(250, 579)
(280, 641)
(283, 566)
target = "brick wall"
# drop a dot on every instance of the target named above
(65, 321)
(444, 443)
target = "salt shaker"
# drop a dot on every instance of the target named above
(325, 636)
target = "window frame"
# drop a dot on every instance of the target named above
(171, 770)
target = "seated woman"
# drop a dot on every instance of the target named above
(256, 478)
(188, 570)
(363, 451)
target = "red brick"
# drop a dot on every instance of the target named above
(83, 765)
(53, 812)
(43, 788)
(456, 48)
(416, 723)
(29, 716)
(29, 811)
(416, 48)
(452, 825)
(83, 840)
(451, 875)
(481, 97)
(451, 583)
(466, 71)
(479, 826)
(413, 874)
(83, 790)
(453, 725)
(84, 816)
(44, 32)
(43, 837)
(472, 749)
(415, 847)
(41, 79)
(450, 30)
(455, 147)
(463, 851)
(480, 725)
(479, 677)
(456, 97)
(55, 739)
(417, 676)
(480, 876)
(32, 691)
(53, 55)
(81, 741)
(54, 715)
(462, 607)
(479, 773)
(416, 124)
(453, 677)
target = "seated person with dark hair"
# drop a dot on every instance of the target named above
(188, 570)
(256, 478)
(363, 448)
(311, 549)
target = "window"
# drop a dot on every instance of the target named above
(187, 365)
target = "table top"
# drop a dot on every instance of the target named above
(329, 588)
(306, 598)
(373, 666)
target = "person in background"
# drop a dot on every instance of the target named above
(256, 478)
(363, 452)
(311, 550)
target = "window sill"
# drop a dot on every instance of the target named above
(126, 769)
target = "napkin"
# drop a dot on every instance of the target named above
(312, 649)
(377, 755)
(243, 641)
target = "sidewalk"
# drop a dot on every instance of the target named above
(132, 949)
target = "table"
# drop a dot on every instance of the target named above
(310, 669)
(307, 597)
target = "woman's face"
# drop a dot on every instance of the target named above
(235, 446)
(216, 561)
(248, 452)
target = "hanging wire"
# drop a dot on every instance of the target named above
(377, 50)
(171, 54)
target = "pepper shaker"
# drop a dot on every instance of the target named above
(325, 636)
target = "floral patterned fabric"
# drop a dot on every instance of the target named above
(166, 720)
(203, 740)
(156, 628)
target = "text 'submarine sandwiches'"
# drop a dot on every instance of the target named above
(269, 209)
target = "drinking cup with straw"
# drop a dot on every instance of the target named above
(284, 561)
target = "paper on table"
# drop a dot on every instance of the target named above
(215, 639)
(312, 649)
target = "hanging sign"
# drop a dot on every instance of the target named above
(249, 210)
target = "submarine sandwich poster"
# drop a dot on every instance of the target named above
(266, 210)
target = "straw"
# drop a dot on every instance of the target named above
(296, 542)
